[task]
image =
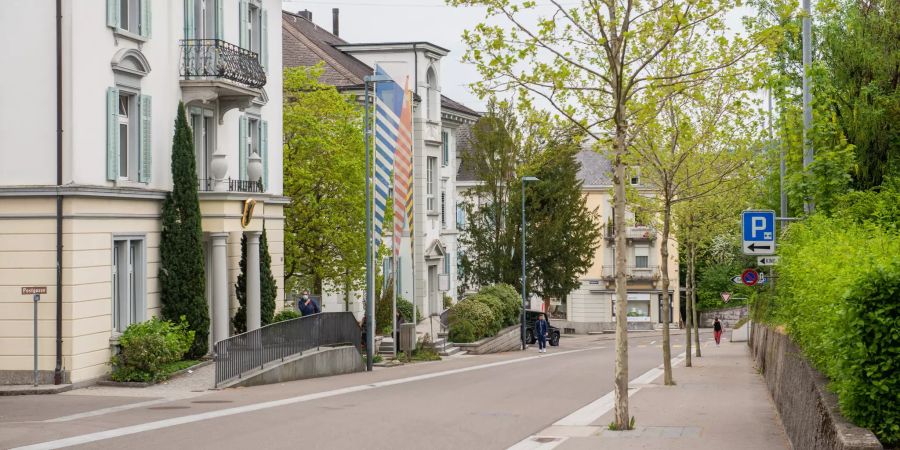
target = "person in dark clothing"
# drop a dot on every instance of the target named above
(307, 305)
(717, 330)
(400, 321)
(540, 332)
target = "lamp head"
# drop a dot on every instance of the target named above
(524, 179)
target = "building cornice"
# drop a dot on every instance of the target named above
(392, 46)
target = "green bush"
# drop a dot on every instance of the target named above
(148, 347)
(837, 296)
(867, 379)
(511, 299)
(497, 309)
(470, 321)
(286, 314)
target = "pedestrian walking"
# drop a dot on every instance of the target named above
(307, 305)
(540, 332)
(717, 330)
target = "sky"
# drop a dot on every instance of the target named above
(420, 20)
(406, 20)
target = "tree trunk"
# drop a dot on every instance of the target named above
(688, 311)
(621, 371)
(664, 267)
(694, 301)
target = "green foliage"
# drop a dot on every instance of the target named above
(713, 279)
(384, 307)
(182, 278)
(267, 286)
(285, 314)
(324, 175)
(149, 348)
(878, 208)
(470, 321)
(497, 310)
(511, 300)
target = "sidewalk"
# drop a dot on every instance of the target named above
(720, 402)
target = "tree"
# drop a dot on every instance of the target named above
(267, 286)
(181, 274)
(324, 175)
(696, 149)
(505, 147)
(591, 64)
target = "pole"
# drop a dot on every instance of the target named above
(782, 167)
(36, 298)
(808, 205)
(394, 269)
(370, 279)
(524, 293)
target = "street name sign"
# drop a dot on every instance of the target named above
(758, 232)
(31, 290)
(766, 260)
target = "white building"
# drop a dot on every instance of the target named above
(124, 67)
(436, 121)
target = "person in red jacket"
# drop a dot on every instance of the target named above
(717, 330)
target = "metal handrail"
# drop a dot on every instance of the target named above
(254, 349)
(215, 58)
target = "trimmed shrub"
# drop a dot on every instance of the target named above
(497, 310)
(511, 299)
(470, 321)
(867, 379)
(148, 347)
(285, 314)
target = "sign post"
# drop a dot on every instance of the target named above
(758, 232)
(35, 293)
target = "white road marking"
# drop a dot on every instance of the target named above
(175, 421)
(652, 342)
(110, 410)
(589, 413)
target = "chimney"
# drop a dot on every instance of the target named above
(306, 14)
(334, 21)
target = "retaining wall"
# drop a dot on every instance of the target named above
(325, 362)
(808, 410)
(728, 316)
(506, 340)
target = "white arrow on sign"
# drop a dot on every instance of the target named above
(766, 260)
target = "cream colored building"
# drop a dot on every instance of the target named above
(125, 66)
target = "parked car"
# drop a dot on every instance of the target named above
(552, 332)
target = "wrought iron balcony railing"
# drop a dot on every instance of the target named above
(648, 273)
(234, 185)
(214, 58)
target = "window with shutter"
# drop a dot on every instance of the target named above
(242, 149)
(146, 144)
(189, 18)
(112, 134)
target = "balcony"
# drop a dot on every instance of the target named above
(229, 185)
(632, 273)
(212, 69)
(639, 233)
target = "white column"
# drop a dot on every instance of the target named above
(253, 295)
(221, 328)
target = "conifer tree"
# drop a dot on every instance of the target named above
(181, 275)
(268, 287)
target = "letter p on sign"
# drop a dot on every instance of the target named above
(758, 224)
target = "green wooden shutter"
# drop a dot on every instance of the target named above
(242, 148)
(220, 21)
(264, 150)
(112, 134)
(243, 13)
(112, 13)
(264, 42)
(189, 19)
(145, 18)
(146, 144)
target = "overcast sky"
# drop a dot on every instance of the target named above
(418, 20)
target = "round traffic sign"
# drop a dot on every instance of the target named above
(750, 277)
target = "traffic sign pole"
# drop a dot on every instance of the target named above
(37, 298)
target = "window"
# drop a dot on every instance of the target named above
(253, 29)
(443, 203)
(446, 263)
(253, 138)
(430, 171)
(204, 130)
(634, 177)
(128, 142)
(131, 16)
(128, 283)
(433, 95)
(445, 148)
(642, 257)
(206, 19)
(460, 216)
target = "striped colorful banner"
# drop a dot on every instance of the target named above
(388, 108)
(403, 172)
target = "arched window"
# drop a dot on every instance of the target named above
(434, 96)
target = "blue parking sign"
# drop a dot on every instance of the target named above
(758, 231)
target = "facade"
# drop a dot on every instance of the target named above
(436, 122)
(125, 66)
(591, 307)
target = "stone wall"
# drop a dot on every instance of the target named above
(321, 363)
(728, 316)
(808, 409)
(507, 339)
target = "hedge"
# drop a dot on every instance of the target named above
(497, 311)
(511, 299)
(470, 321)
(148, 347)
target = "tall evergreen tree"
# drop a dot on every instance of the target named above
(267, 286)
(181, 275)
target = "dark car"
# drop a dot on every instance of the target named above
(552, 332)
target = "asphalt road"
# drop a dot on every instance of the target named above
(478, 402)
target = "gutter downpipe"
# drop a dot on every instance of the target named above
(57, 373)
(416, 76)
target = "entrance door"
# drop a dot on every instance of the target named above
(434, 300)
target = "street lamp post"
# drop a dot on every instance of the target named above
(370, 273)
(524, 283)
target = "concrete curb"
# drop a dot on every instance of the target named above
(10, 390)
